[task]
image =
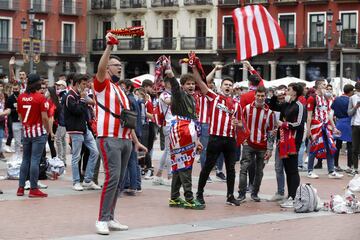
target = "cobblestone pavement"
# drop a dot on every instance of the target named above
(67, 214)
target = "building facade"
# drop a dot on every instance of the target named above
(59, 25)
(305, 25)
(172, 27)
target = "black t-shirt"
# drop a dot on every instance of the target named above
(10, 103)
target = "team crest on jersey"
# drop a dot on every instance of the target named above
(223, 108)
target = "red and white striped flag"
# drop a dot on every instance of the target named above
(256, 32)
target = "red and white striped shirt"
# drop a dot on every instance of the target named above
(222, 110)
(30, 106)
(319, 107)
(260, 121)
(203, 109)
(110, 95)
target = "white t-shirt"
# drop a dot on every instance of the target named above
(164, 108)
(355, 120)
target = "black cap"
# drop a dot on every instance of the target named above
(33, 78)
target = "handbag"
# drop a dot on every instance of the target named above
(127, 117)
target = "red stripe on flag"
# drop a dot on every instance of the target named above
(266, 27)
(236, 23)
(256, 32)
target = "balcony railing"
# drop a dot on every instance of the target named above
(196, 42)
(71, 48)
(131, 43)
(71, 8)
(197, 2)
(133, 4)
(98, 44)
(162, 43)
(103, 4)
(10, 45)
(164, 3)
(315, 41)
(290, 40)
(46, 46)
(41, 7)
(349, 40)
(9, 5)
(285, 1)
(229, 2)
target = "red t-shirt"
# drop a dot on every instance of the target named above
(149, 109)
(30, 107)
(52, 109)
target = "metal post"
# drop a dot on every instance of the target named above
(341, 69)
(31, 36)
(329, 48)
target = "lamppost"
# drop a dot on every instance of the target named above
(329, 34)
(33, 27)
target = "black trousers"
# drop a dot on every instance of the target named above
(182, 178)
(217, 145)
(147, 139)
(355, 145)
(292, 174)
(10, 132)
(349, 153)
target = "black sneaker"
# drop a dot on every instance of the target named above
(338, 169)
(200, 199)
(255, 197)
(232, 201)
(241, 197)
(318, 165)
(221, 176)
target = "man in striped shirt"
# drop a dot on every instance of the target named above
(260, 121)
(114, 140)
(225, 114)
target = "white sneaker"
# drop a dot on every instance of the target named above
(335, 175)
(148, 175)
(306, 160)
(102, 228)
(90, 186)
(158, 181)
(115, 225)
(289, 203)
(42, 186)
(277, 197)
(166, 182)
(77, 187)
(8, 149)
(312, 175)
(27, 185)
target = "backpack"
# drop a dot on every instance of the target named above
(306, 199)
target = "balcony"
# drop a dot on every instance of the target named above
(165, 5)
(40, 7)
(229, 3)
(131, 44)
(10, 45)
(310, 2)
(103, 7)
(9, 5)
(133, 6)
(71, 48)
(190, 43)
(350, 40)
(72, 8)
(263, 2)
(98, 44)
(346, 1)
(285, 2)
(162, 43)
(45, 46)
(198, 5)
(315, 41)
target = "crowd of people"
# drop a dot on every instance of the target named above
(224, 125)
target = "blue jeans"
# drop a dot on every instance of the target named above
(329, 158)
(279, 170)
(32, 151)
(131, 175)
(301, 154)
(204, 139)
(77, 141)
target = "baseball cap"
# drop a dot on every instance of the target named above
(33, 78)
(61, 82)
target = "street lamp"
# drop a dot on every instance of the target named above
(319, 29)
(33, 28)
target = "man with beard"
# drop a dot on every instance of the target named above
(22, 75)
(260, 121)
(225, 116)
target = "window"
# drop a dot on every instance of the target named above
(316, 39)
(287, 24)
(69, 6)
(4, 34)
(229, 33)
(38, 5)
(68, 38)
(349, 30)
(136, 41)
(167, 33)
(200, 33)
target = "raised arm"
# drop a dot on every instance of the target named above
(203, 87)
(211, 75)
(12, 70)
(101, 72)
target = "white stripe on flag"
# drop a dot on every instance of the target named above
(260, 24)
(272, 27)
(241, 33)
(253, 40)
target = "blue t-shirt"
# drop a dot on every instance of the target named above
(340, 106)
